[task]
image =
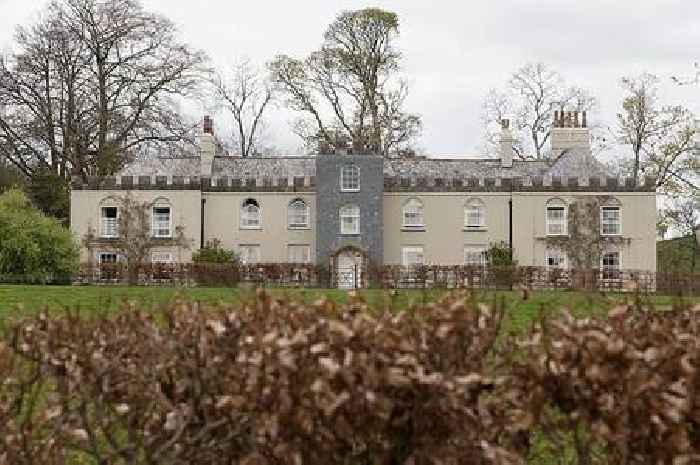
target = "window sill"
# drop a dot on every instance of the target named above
(349, 190)
(350, 234)
(474, 229)
(556, 235)
(108, 237)
(299, 228)
(161, 237)
(611, 235)
(413, 228)
(256, 228)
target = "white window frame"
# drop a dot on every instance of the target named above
(471, 206)
(349, 211)
(162, 257)
(617, 270)
(245, 221)
(414, 207)
(102, 253)
(556, 255)
(307, 253)
(245, 258)
(351, 176)
(412, 249)
(603, 223)
(473, 250)
(155, 231)
(563, 222)
(292, 212)
(114, 228)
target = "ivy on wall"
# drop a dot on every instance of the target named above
(584, 244)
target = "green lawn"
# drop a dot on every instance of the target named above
(17, 301)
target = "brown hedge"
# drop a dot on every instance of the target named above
(280, 382)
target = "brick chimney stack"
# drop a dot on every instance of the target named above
(207, 147)
(569, 131)
(506, 144)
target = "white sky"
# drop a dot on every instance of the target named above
(454, 51)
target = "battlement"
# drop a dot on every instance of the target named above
(519, 184)
(391, 184)
(205, 184)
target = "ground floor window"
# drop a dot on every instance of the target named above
(298, 253)
(162, 257)
(475, 255)
(412, 256)
(249, 253)
(610, 265)
(555, 258)
(108, 265)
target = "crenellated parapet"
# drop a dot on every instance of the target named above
(518, 184)
(205, 184)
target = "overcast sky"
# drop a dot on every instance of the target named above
(454, 51)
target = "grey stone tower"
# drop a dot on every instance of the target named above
(332, 195)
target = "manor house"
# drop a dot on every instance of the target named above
(342, 209)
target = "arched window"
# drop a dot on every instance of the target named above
(474, 214)
(610, 218)
(557, 218)
(413, 214)
(350, 178)
(298, 214)
(350, 219)
(250, 214)
(161, 218)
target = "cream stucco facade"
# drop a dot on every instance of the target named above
(430, 210)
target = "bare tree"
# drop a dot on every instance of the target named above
(661, 137)
(349, 90)
(531, 96)
(136, 239)
(246, 94)
(91, 85)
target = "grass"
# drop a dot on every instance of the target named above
(17, 301)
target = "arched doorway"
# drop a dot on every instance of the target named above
(348, 265)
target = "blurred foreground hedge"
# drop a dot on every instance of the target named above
(280, 382)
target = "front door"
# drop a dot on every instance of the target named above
(348, 269)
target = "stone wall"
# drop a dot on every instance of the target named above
(329, 199)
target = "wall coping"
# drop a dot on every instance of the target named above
(391, 184)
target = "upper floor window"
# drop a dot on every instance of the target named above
(412, 256)
(350, 219)
(298, 214)
(610, 221)
(556, 218)
(350, 178)
(250, 214)
(413, 214)
(161, 221)
(474, 214)
(109, 222)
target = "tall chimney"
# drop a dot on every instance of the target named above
(506, 144)
(569, 131)
(207, 147)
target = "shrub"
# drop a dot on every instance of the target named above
(212, 252)
(33, 246)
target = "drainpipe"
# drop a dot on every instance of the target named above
(510, 225)
(201, 225)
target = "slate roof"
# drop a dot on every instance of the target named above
(573, 162)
